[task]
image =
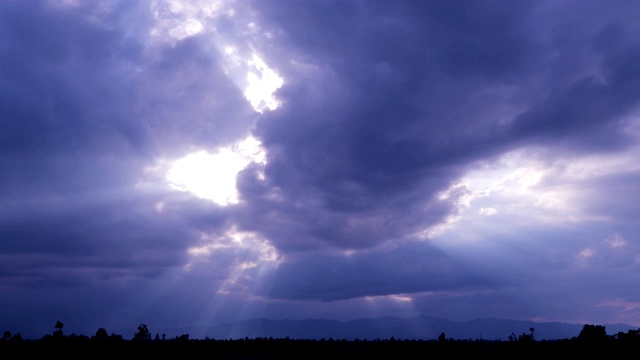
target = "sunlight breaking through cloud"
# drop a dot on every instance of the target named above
(176, 20)
(212, 176)
(263, 82)
(253, 259)
(439, 179)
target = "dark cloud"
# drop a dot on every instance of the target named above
(367, 132)
(88, 104)
(409, 268)
(64, 86)
(53, 241)
(589, 114)
(475, 39)
(188, 102)
(297, 217)
(89, 87)
(386, 107)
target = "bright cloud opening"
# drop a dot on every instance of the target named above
(254, 256)
(252, 74)
(513, 185)
(213, 176)
(178, 20)
(186, 29)
(488, 211)
(262, 83)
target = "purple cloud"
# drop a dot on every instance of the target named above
(420, 153)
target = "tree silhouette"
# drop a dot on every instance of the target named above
(531, 336)
(593, 339)
(102, 334)
(58, 332)
(593, 333)
(142, 333)
(6, 335)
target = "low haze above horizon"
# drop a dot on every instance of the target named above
(189, 163)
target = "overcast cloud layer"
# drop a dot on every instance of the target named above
(456, 159)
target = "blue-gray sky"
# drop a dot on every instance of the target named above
(185, 163)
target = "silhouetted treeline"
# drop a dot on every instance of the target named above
(591, 343)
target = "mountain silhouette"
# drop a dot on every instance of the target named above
(418, 327)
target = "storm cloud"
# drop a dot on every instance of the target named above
(459, 159)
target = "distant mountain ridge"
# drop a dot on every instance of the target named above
(419, 327)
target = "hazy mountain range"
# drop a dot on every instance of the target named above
(420, 327)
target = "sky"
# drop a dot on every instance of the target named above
(190, 163)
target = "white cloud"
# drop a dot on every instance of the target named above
(488, 211)
(262, 83)
(615, 241)
(212, 176)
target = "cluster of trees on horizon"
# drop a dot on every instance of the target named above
(592, 343)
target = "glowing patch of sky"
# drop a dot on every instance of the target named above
(263, 82)
(213, 176)
(626, 305)
(255, 258)
(514, 184)
(178, 20)
(400, 304)
(527, 189)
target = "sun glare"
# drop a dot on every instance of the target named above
(213, 176)
(262, 83)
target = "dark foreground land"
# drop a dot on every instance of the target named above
(592, 343)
